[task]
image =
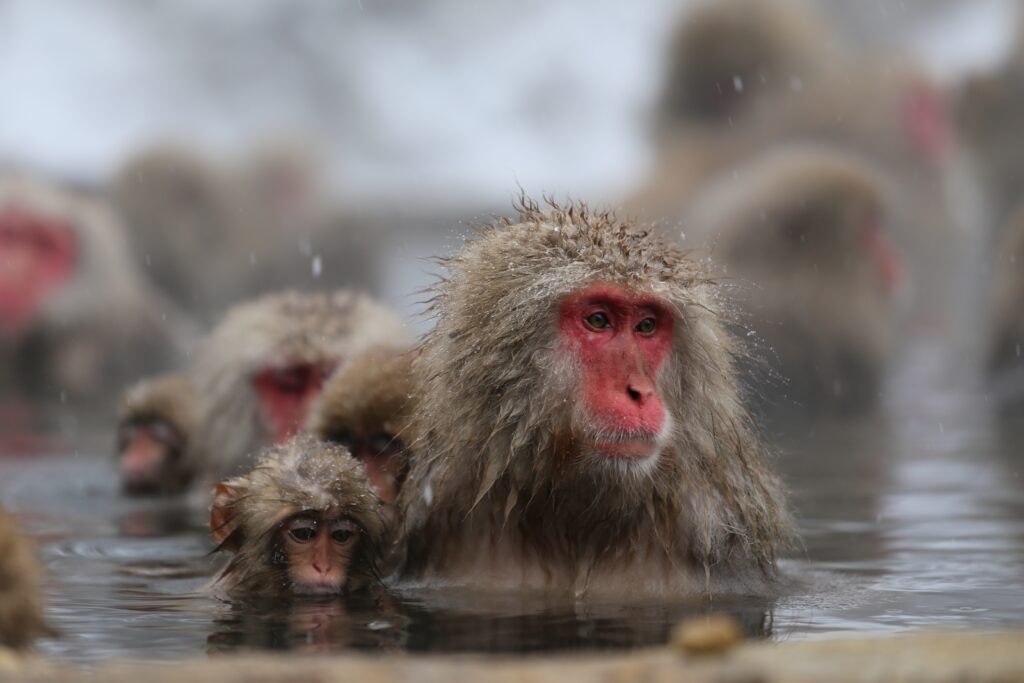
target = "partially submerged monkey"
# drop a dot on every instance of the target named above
(304, 520)
(802, 236)
(21, 608)
(579, 429)
(367, 407)
(155, 421)
(257, 376)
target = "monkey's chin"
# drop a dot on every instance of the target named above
(626, 449)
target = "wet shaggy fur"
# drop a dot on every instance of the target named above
(274, 329)
(499, 494)
(373, 395)
(787, 234)
(21, 605)
(302, 475)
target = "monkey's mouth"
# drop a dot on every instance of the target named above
(326, 587)
(625, 446)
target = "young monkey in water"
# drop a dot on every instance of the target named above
(305, 520)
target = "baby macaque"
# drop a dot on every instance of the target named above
(156, 420)
(366, 407)
(76, 317)
(578, 425)
(304, 521)
(21, 607)
(801, 234)
(254, 381)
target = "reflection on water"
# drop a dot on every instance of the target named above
(911, 518)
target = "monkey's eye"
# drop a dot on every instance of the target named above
(343, 532)
(380, 443)
(646, 326)
(598, 321)
(302, 530)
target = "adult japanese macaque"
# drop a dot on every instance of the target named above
(303, 521)
(366, 407)
(801, 236)
(260, 371)
(579, 430)
(76, 317)
(187, 227)
(21, 605)
(155, 422)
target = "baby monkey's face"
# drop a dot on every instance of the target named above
(319, 553)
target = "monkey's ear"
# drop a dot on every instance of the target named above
(223, 522)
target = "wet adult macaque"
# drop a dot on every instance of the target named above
(76, 317)
(366, 407)
(578, 425)
(156, 421)
(802, 235)
(260, 371)
(305, 520)
(21, 605)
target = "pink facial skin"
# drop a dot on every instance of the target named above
(621, 340)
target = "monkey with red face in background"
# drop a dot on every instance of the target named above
(367, 407)
(303, 521)
(76, 317)
(155, 422)
(579, 429)
(253, 383)
(801, 234)
(21, 609)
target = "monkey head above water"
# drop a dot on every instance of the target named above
(262, 368)
(305, 520)
(156, 420)
(578, 424)
(366, 407)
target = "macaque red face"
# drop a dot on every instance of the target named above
(37, 255)
(286, 393)
(147, 452)
(318, 553)
(620, 340)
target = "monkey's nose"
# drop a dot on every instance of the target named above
(640, 390)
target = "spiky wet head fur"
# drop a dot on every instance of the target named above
(275, 329)
(303, 475)
(496, 458)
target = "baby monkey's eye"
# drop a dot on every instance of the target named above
(302, 531)
(598, 321)
(343, 531)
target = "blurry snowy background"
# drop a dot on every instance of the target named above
(445, 100)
